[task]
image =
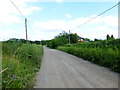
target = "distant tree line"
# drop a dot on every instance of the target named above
(59, 40)
(108, 37)
(22, 41)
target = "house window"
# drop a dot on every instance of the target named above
(82, 40)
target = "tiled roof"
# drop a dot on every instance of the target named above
(80, 37)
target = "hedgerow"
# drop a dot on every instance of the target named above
(104, 53)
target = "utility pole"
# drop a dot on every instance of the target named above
(26, 29)
(41, 42)
(69, 36)
(119, 19)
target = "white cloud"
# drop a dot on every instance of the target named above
(77, 22)
(35, 8)
(59, 0)
(11, 33)
(32, 0)
(95, 20)
(25, 8)
(59, 24)
(98, 28)
(50, 25)
(41, 35)
(111, 21)
(9, 14)
(8, 19)
(68, 15)
(97, 32)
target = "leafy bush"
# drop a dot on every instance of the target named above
(10, 48)
(58, 42)
(29, 53)
(108, 57)
(23, 62)
(114, 44)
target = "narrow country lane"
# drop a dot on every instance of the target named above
(62, 70)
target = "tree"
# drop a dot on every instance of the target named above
(96, 39)
(108, 37)
(86, 39)
(73, 38)
(112, 37)
(37, 42)
(61, 39)
(58, 42)
(63, 34)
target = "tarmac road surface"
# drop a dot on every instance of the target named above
(62, 70)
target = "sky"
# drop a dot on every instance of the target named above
(46, 19)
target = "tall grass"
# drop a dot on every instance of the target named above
(22, 61)
(108, 57)
(0, 65)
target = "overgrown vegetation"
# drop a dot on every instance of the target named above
(101, 52)
(61, 40)
(104, 53)
(22, 62)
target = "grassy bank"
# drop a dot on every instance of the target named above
(104, 53)
(22, 62)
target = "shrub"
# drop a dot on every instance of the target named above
(107, 57)
(23, 62)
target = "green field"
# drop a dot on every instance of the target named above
(104, 53)
(21, 62)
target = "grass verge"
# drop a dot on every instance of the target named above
(22, 62)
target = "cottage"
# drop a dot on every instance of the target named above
(80, 39)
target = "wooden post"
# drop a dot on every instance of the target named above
(26, 29)
(119, 19)
(69, 36)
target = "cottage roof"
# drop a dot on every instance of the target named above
(80, 37)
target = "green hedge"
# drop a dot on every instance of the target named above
(105, 57)
(113, 44)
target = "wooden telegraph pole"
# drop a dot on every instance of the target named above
(69, 36)
(119, 19)
(26, 29)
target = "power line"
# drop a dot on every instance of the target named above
(96, 16)
(17, 9)
(26, 21)
(23, 17)
(30, 25)
(20, 12)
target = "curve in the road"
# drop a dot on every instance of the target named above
(62, 70)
